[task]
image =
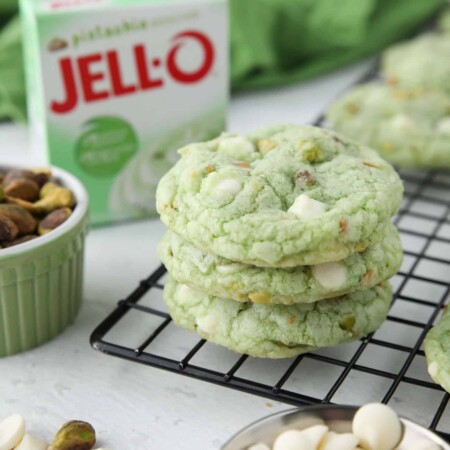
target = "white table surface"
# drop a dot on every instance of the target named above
(132, 406)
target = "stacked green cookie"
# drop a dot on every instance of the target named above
(406, 115)
(279, 242)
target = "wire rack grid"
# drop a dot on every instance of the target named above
(388, 365)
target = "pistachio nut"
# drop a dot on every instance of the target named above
(56, 198)
(74, 435)
(23, 203)
(53, 220)
(47, 188)
(8, 229)
(20, 216)
(22, 188)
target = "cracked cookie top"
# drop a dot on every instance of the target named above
(282, 196)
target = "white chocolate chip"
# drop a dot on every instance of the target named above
(306, 208)
(315, 434)
(236, 145)
(184, 289)
(292, 440)
(443, 126)
(30, 442)
(402, 122)
(229, 185)
(12, 431)
(230, 268)
(259, 447)
(336, 441)
(377, 426)
(331, 275)
(424, 444)
(433, 369)
(207, 324)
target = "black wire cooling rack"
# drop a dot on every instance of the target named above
(388, 365)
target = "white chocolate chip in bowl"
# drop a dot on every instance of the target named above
(377, 426)
(30, 442)
(293, 440)
(331, 275)
(229, 185)
(339, 441)
(306, 208)
(315, 434)
(12, 431)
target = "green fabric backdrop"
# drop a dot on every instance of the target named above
(273, 42)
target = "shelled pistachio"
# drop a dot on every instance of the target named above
(31, 204)
(75, 434)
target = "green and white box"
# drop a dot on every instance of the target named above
(115, 87)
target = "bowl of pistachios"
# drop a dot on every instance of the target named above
(43, 224)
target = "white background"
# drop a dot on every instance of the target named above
(131, 406)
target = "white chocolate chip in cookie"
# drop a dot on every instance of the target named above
(293, 440)
(237, 146)
(229, 185)
(433, 369)
(207, 324)
(377, 426)
(306, 208)
(443, 126)
(12, 431)
(30, 442)
(402, 122)
(331, 275)
(339, 441)
(230, 268)
(184, 289)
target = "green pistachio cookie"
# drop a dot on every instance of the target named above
(282, 196)
(278, 331)
(407, 128)
(302, 284)
(420, 63)
(437, 351)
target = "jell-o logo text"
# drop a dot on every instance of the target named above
(88, 91)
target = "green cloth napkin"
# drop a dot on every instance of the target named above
(273, 42)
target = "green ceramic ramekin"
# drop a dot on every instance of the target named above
(41, 281)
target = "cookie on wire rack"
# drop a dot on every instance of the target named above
(282, 196)
(278, 331)
(302, 284)
(408, 128)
